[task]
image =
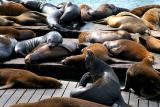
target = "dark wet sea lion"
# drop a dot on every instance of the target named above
(28, 18)
(127, 49)
(139, 11)
(17, 34)
(152, 16)
(100, 36)
(53, 38)
(19, 78)
(45, 53)
(98, 49)
(105, 88)
(61, 102)
(12, 9)
(6, 47)
(143, 79)
(126, 21)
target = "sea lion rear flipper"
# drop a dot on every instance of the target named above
(84, 79)
(7, 86)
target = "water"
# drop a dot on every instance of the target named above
(121, 3)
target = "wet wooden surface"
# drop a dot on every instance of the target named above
(13, 96)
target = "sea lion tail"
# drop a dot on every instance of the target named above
(7, 86)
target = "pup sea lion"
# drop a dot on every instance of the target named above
(152, 16)
(126, 21)
(17, 34)
(28, 18)
(53, 38)
(6, 47)
(127, 49)
(106, 87)
(98, 49)
(12, 9)
(139, 11)
(100, 36)
(61, 102)
(19, 78)
(143, 79)
(45, 53)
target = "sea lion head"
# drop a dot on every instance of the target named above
(54, 38)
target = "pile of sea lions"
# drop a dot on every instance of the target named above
(127, 37)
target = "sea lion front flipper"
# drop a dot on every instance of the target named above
(7, 86)
(84, 80)
(127, 83)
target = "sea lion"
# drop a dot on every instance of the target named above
(53, 38)
(105, 88)
(12, 9)
(100, 36)
(151, 43)
(5, 22)
(143, 79)
(152, 16)
(139, 11)
(19, 78)
(60, 102)
(125, 21)
(45, 53)
(17, 34)
(28, 18)
(6, 47)
(127, 49)
(98, 49)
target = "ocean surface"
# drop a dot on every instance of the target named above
(121, 3)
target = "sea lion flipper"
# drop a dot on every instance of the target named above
(84, 79)
(7, 86)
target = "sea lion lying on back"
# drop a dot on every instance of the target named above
(143, 79)
(19, 78)
(61, 102)
(127, 49)
(53, 38)
(105, 88)
(100, 36)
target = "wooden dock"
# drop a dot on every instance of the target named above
(13, 96)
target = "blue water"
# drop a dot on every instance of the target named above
(121, 3)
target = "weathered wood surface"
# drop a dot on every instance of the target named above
(13, 96)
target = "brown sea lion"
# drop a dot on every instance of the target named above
(143, 79)
(5, 22)
(100, 36)
(45, 53)
(19, 78)
(127, 49)
(153, 17)
(126, 21)
(139, 11)
(12, 9)
(61, 102)
(106, 86)
(98, 49)
(17, 34)
(28, 18)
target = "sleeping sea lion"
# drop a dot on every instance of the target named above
(53, 38)
(105, 88)
(61, 102)
(143, 79)
(127, 49)
(19, 78)
(100, 36)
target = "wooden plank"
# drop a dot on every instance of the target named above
(6, 96)
(27, 96)
(125, 96)
(153, 103)
(48, 93)
(59, 92)
(70, 87)
(37, 95)
(143, 103)
(133, 100)
(15, 97)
